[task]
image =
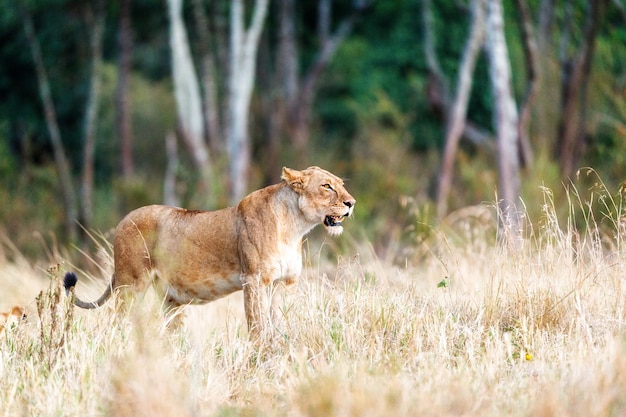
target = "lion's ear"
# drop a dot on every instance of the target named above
(294, 178)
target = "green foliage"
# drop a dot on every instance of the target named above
(7, 161)
(153, 115)
(133, 193)
(64, 50)
(374, 60)
(34, 188)
(607, 118)
(393, 184)
(35, 207)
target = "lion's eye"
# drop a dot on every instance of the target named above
(327, 186)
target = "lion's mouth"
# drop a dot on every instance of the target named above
(333, 221)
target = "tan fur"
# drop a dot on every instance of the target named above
(11, 317)
(199, 256)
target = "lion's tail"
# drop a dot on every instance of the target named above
(69, 282)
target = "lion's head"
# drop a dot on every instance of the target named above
(323, 198)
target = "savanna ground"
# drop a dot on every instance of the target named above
(464, 327)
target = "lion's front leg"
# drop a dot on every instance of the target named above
(278, 305)
(256, 304)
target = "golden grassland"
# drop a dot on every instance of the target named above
(472, 329)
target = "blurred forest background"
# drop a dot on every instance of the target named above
(425, 106)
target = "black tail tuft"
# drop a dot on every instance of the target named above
(69, 281)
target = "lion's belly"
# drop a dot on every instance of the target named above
(203, 268)
(203, 290)
(188, 278)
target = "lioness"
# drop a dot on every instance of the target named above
(193, 257)
(11, 317)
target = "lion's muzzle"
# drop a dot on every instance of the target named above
(333, 222)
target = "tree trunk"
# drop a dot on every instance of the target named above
(575, 73)
(438, 89)
(209, 84)
(122, 94)
(620, 8)
(506, 122)
(220, 18)
(531, 55)
(283, 90)
(170, 197)
(243, 50)
(271, 104)
(61, 163)
(188, 101)
(455, 123)
(96, 22)
(547, 84)
(545, 21)
(288, 67)
(301, 114)
(286, 82)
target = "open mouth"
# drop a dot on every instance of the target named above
(333, 221)
(333, 225)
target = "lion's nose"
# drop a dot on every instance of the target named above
(350, 203)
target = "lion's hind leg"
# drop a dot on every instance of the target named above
(171, 305)
(174, 314)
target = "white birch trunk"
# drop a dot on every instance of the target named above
(506, 122)
(243, 49)
(187, 94)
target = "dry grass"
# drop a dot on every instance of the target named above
(470, 330)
